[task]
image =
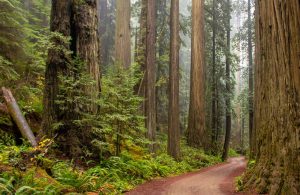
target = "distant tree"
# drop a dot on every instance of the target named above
(106, 24)
(174, 122)
(123, 36)
(163, 48)
(196, 123)
(251, 83)
(228, 86)
(150, 106)
(146, 59)
(213, 77)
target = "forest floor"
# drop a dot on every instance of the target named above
(215, 180)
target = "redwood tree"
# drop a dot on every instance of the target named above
(250, 95)
(214, 125)
(150, 105)
(196, 122)
(277, 97)
(78, 20)
(122, 36)
(174, 123)
(228, 86)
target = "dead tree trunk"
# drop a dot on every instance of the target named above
(16, 114)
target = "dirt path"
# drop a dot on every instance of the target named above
(215, 180)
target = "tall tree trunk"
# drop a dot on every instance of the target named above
(242, 134)
(196, 122)
(150, 105)
(56, 64)
(141, 53)
(85, 39)
(103, 26)
(214, 80)
(163, 39)
(123, 36)
(277, 97)
(228, 87)
(250, 95)
(79, 21)
(174, 123)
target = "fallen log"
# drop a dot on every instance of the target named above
(17, 116)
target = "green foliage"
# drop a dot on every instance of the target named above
(8, 186)
(66, 175)
(111, 176)
(120, 120)
(72, 96)
(232, 153)
(6, 139)
(197, 158)
(251, 164)
(239, 183)
(23, 41)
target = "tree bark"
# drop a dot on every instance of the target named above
(123, 36)
(214, 80)
(56, 63)
(78, 20)
(140, 88)
(103, 31)
(228, 87)
(85, 39)
(196, 122)
(163, 39)
(150, 105)
(174, 123)
(16, 114)
(250, 95)
(277, 98)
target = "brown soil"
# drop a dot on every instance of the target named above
(215, 180)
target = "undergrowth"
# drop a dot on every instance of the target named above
(24, 170)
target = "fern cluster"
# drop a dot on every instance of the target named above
(114, 175)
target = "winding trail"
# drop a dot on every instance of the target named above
(215, 180)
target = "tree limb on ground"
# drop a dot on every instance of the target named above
(14, 111)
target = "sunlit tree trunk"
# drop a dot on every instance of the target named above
(123, 36)
(174, 123)
(196, 122)
(277, 98)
